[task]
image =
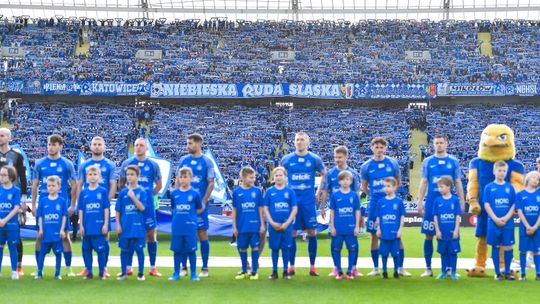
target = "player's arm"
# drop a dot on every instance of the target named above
(436, 224)
(81, 218)
(40, 225)
(35, 185)
(261, 219)
(332, 221)
(234, 216)
(364, 186)
(269, 219)
(510, 214)
(106, 214)
(10, 215)
(198, 205)
(356, 222)
(422, 188)
(62, 227)
(456, 227)
(112, 188)
(74, 193)
(401, 223)
(324, 197)
(158, 186)
(292, 216)
(208, 192)
(491, 214)
(378, 225)
(460, 193)
(135, 200)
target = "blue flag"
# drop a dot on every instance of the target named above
(80, 159)
(219, 195)
(165, 167)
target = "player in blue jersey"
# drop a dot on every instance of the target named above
(248, 222)
(10, 203)
(528, 208)
(52, 217)
(94, 210)
(185, 205)
(433, 167)
(331, 185)
(499, 203)
(107, 181)
(130, 221)
(344, 223)
(56, 165)
(447, 216)
(280, 209)
(202, 182)
(390, 216)
(151, 181)
(372, 175)
(302, 166)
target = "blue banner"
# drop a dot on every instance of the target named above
(471, 89)
(219, 194)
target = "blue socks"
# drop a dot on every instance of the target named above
(375, 258)
(336, 256)
(37, 257)
(58, 263)
(124, 257)
(292, 252)
(205, 253)
(177, 258)
(152, 253)
(140, 259)
(352, 260)
(102, 261)
(453, 263)
(445, 262)
(312, 249)
(87, 257)
(508, 255)
(275, 258)
(401, 258)
(68, 256)
(254, 260)
(495, 256)
(428, 252)
(107, 252)
(523, 263)
(384, 263)
(193, 263)
(243, 258)
(184, 261)
(285, 257)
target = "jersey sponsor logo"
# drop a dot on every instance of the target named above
(131, 208)
(380, 166)
(378, 183)
(301, 176)
(52, 165)
(528, 209)
(6, 206)
(281, 205)
(183, 207)
(193, 162)
(93, 206)
(501, 201)
(248, 205)
(345, 210)
(442, 162)
(51, 217)
(301, 160)
(447, 216)
(389, 217)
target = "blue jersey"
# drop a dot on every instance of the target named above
(446, 211)
(433, 168)
(345, 206)
(93, 203)
(374, 172)
(149, 172)
(107, 168)
(203, 170)
(280, 203)
(301, 171)
(51, 213)
(9, 199)
(529, 204)
(500, 198)
(484, 171)
(131, 218)
(389, 212)
(184, 205)
(331, 183)
(61, 167)
(247, 203)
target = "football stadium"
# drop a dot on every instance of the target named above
(269, 151)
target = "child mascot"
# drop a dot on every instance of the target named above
(496, 143)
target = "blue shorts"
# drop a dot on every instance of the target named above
(350, 241)
(97, 243)
(363, 211)
(387, 247)
(306, 218)
(428, 225)
(9, 236)
(248, 239)
(500, 236)
(150, 219)
(56, 247)
(184, 243)
(279, 239)
(131, 243)
(448, 247)
(529, 242)
(481, 224)
(202, 220)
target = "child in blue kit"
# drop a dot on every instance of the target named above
(52, 216)
(10, 203)
(280, 210)
(186, 204)
(447, 216)
(344, 223)
(528, 208)
(130, 221)
(499, 203)
(389, 223)
(94, 207)
(248, 221)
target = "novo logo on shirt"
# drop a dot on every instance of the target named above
(345, 210)
(131, 207)
(93, 206)
(527, 209)
(248, 205)
(501, 201)
(6, 206)
(447, 216)
(183, 207)
(389, 217)
(282, 205)
(51, 216)
(301, 177)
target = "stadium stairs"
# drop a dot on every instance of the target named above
(486, 47)
(418, 138)
(84, 48)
